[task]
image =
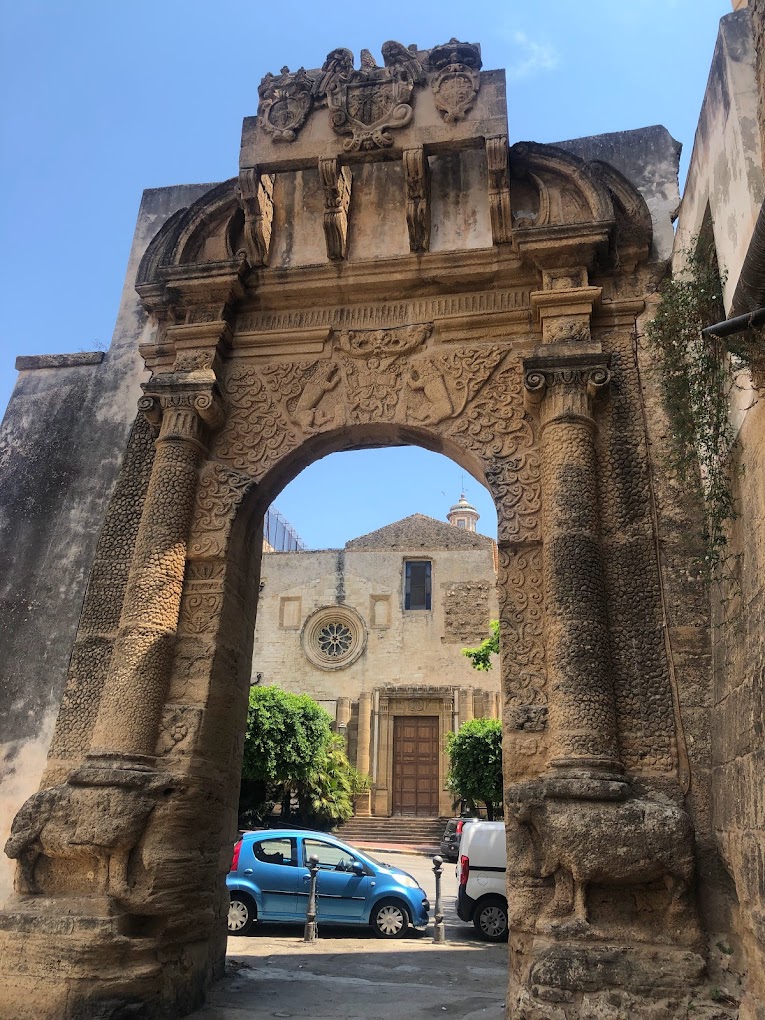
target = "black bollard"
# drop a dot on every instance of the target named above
(310, 917)
(439, 932)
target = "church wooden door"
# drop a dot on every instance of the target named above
(415, 766)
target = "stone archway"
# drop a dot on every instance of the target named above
(510, 353)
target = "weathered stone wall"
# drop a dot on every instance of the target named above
(62, 443)
(725, 173)
(725, 191)
(757, 13)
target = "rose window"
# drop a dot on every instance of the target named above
(333, 637)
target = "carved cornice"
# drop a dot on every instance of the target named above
(564, 389)
(565, 244)
(193, 305)
(564, 308)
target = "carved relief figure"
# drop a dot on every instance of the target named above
(424, 377)
(308, 413)
(632, 842)
(378, 344)
(85, 818)
(336, 68)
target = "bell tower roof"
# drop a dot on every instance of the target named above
(463, 514)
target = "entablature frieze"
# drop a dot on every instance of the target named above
(458, 317)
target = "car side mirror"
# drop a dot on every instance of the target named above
(358, 869)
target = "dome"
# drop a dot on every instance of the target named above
(463, 514)
(463, 505)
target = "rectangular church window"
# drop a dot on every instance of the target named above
(417, 588)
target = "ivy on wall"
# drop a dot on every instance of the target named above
(698, 377)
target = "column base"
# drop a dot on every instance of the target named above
(556, 980)
(71, 959)
(363, 806)
(586, 779)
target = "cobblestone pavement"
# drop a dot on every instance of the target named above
(348, 974)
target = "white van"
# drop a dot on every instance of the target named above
(482, 868)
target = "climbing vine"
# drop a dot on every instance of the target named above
(699, 374)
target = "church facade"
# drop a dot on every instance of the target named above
(374, 633)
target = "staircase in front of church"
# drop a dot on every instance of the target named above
(399, 829)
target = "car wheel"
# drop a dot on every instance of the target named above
(242, 914)
(490, 919)
(389, 920)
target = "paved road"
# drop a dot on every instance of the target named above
(348, 974)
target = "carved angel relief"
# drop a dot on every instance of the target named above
(473, 395)
(457, 81)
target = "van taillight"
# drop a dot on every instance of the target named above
(460, 823)
(235, 858)
(464, 869)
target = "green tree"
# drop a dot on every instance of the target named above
(480, 657)
(475, 763)
(329, 792)
(287, 736)
(290, 753)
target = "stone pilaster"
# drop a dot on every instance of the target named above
(466, 705)
(362, 751)
(581, 698)
(134, 692)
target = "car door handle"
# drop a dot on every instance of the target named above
(248, 871)
(306, 878)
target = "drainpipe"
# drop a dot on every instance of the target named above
(750, 320)
(750, 289)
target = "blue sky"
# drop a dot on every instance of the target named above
(99, 100)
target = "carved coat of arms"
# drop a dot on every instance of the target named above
(285, 102)
(366, 104)
(457, 80)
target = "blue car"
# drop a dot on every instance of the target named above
(269, 881)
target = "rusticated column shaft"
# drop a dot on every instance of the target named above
(582, 709)
(135, 688)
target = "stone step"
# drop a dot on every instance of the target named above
(393, 830)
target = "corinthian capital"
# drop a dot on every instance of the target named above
(183, 411)
(565, 388)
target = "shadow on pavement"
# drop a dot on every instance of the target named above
(356, 978)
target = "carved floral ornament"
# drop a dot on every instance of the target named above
(367, 103)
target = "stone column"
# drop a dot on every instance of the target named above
(362, 749)
(342, 715)
(134, 693)
(582, 708)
